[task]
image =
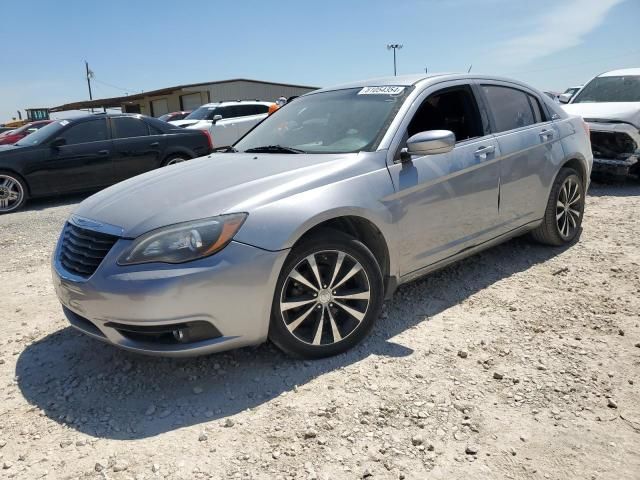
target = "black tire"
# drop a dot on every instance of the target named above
(552, 230)
(10, 185)
(175, 158)
(326, 247)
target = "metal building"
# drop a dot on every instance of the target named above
(189, 97)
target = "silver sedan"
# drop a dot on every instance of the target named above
(299, 232)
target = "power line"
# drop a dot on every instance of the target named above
(126, 90)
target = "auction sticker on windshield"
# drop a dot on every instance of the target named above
(387, 90)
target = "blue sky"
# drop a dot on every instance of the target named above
(144, 44)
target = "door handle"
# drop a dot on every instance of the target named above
(546, 134)
(154, 144)
(482, 152)
(103, 152)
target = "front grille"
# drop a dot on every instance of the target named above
(613, 145)
(82, 250)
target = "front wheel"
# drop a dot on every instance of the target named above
(564, 212)
(13, 192)
(327, 298)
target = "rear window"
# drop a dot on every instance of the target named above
(127, 127)
(511, 107)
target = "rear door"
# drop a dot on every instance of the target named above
(528, 142)
(82, 163)
(137, 147)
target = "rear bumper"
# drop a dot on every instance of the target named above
(138, 307)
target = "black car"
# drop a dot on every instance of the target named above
(92, 152)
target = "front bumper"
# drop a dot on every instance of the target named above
(231, 290)
(619, 157)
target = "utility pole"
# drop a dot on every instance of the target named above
(89, 75)
(394, 47)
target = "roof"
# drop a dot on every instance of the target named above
(409, 80)
(622, 72)
(117, 101)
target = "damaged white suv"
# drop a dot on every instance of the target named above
(610, 104)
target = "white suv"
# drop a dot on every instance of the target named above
(226, 121)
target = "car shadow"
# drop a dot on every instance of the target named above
(38, 204)
(105, 392)
(614, 187)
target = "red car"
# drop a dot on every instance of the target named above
(12, 136)
(170, 117)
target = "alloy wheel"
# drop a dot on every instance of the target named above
(325, 297)
(568, 207)
(11, 193)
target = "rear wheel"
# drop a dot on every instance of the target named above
(13, 192)
(327, 298)
(564, 212)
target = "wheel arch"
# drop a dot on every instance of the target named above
(176, 151)
(364, 230)
(578, 165)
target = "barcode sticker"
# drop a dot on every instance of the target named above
(386, 90)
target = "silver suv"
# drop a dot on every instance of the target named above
(309, 222)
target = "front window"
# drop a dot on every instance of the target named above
(611, 89)
(338, 121)
(203, 113)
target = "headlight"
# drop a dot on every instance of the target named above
(184, 242)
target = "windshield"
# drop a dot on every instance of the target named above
(202, 113)
(39, 136)
(611, 89)
(338, 121)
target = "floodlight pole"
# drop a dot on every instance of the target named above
(394, 47)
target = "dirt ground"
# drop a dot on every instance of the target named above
(522, 362)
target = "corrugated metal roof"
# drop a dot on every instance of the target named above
(117, 101)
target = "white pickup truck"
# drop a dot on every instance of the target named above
(226, 121)
(610, 104)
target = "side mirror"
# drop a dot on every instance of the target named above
(564, 98)
(216, 118)
(58, 142)
(429, 143)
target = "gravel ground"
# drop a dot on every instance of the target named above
(522, 362)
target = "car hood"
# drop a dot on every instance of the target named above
(8, 148)
(608, 111)
(213, 185)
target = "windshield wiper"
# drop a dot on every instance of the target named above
(224, 150)
(274, 149)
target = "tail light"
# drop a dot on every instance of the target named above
(209, 139)
(585, 125)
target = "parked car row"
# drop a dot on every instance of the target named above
(300, 230)
(11, 136)
(91, 152)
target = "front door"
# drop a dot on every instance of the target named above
(225, 131)
(82, 163)
(446, 202)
